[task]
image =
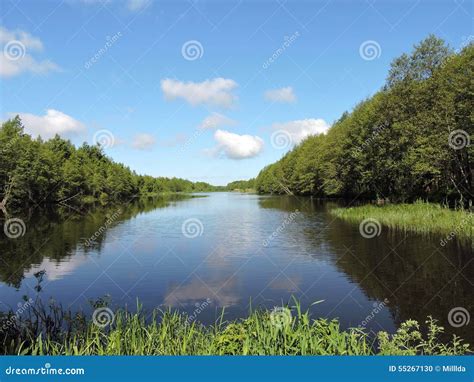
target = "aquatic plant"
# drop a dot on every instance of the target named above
(418, 217)
(284, 331)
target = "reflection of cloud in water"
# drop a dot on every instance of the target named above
(57, 270)
(240, 235)
(222, 256)
(197, 291)
(286, 283)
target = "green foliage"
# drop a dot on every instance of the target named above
(409, 340)
(36, 172)
(241, 185)
(172, 333)
(394, 145)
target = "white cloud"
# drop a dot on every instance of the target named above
(25, 38)
(236, 146)
(143, 141)
(284, 95)
(300, 129)
(16, 58)
(9, 68)
(217, 92)
(54, 122)
(137, 5)
(216, 120)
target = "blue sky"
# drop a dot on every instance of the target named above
(210, 91)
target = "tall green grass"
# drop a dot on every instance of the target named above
(171, 333)
(419, 217)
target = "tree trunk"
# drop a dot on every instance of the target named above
(6, 196)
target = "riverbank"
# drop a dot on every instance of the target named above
(245, 190)
(417, 217)
(282, 331)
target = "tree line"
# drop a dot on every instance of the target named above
(241, 185)
(410, 140)
(33, 171)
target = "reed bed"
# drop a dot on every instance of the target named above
(420, 217)
(168, 332)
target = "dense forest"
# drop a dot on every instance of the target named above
(411, 140)
(35, 172)
(241, 185)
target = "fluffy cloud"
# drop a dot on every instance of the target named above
(216, 92)
(216, 120)
(137, 5)
(54, 122)
(143, 141)
(284, 95)
(16, 58)
(300, 129)
(25, 38)
(236, 146)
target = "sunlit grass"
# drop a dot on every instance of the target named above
(419, 217)
(171, 333)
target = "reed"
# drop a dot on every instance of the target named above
(287, 331)
(421, 217)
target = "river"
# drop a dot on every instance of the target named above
(238, 251)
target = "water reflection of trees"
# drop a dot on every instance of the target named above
(56, 234)
(418, 276)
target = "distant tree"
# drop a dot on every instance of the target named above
(36, 172)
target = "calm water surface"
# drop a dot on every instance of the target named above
(250, 250)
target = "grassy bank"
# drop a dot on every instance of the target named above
(280, 332)
(418, 217)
